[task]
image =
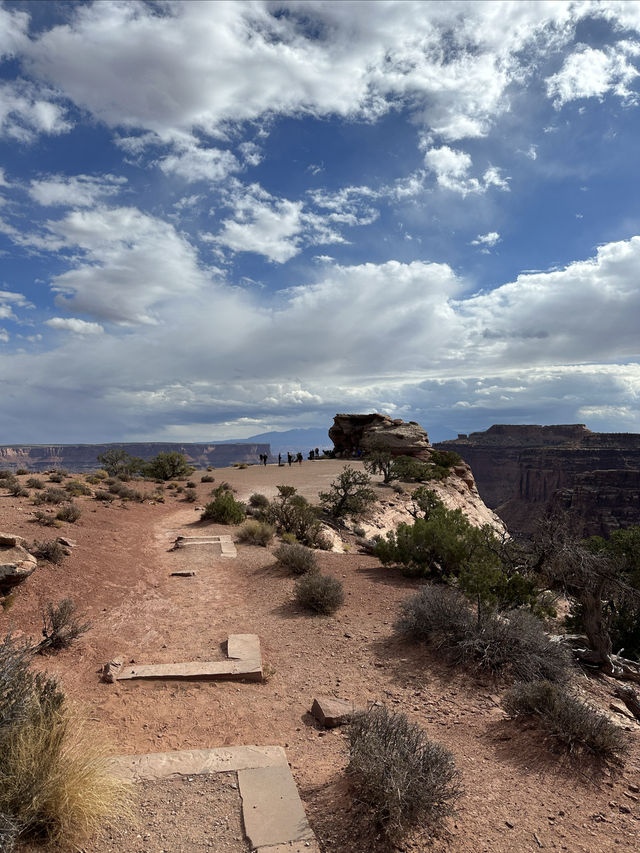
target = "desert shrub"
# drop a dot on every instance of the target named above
(77, 488)
(190, 496)
(16, 490)
(319, 593)
(398, 489)
(60, 626)
(70, 512)
(50, 496)
(34, 483)
(21, 471)
(259, 501)
(223, 509)
(125, 493)
(102, 495)
(207, 478)
(289, 538)
(56, 477)
(191, 484)
(54, 784)
(46, 519)
(117, 461)
(405, 779)
(100, 474)
(254, 532)
(409, 469)
(51, 550)
(292, 513)
(296, 557)
(158, 497)
(445, 458)
(124, 477)
(349, 494)
(513, 643)
(93, 479)
(570, 721)
(5, 474)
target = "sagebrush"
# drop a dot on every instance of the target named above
(319, 593)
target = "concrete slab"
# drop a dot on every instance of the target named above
(271, 808)
(243, 647)
(221, 546)
(195, 762)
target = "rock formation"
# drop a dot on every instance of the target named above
(16, 563)
(521, 470)
(84, 457)
(354, 433)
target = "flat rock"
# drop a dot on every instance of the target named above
(331, 712)
(243, 647)
(194, 762)
(195, 670)
(221, 545)
(10, 540)
(271, 808)
(16, 563)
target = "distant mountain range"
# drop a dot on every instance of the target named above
(291, 440)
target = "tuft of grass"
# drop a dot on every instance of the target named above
(404, 778)
(319, 593)
(579, 727)
(296, 557)
(255, 532)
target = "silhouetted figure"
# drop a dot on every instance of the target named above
(317, 453)
(265, 459)
(299, 458)
(289, 459)
(279, 460)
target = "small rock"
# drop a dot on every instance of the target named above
(111, 670)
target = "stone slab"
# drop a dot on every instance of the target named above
(195, 762)
(332, 712)
(271, 808)
(244, 647)
(223, 545)
(226, 669)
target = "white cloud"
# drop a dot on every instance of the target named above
(14, 26)
(25, 112)
(489, 240)
(73, 324)
(195, 163)
(451, 168)
(593, 73)
(4, 336)
(76, 191)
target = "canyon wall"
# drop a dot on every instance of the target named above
(521, 470)
(84, 457)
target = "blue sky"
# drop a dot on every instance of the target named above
(220, 219)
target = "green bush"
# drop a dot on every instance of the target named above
(71, 513)
(56, 477)
(403, 777)
(255, 532)
(258, 501)
(349, 494)
(408, 469)
(296, 557)
(319, 593)
(292, 513)
(579, 727)
(513, 643)
(224, 509)
(168, 466)
(77, 488)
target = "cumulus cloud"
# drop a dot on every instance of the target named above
(593, 73)
(76, 191)
(25, 112)
(73, 324)
(452, 167)
(194, 162)
(14, 26)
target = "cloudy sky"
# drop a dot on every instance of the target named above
(223, 218)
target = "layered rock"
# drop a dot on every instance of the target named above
(521, 470)
(16, 563)
(360, 434)
(84, 457)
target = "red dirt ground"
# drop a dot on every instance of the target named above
(518, 794)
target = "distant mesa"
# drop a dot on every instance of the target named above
(84, 457)
(522, 470)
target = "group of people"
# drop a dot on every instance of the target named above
(291, 457)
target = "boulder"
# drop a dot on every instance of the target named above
(353, 433)
(16, 563)
(331, 712)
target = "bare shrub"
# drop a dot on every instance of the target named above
(102, 495)
(34, 483)
(5, 474)
(57, 476)
(46, 519)
(513, 643)
(71, 513)
(296, 557)
(77, 488)
(51, 550)
(125, 493)
(579, 727)
(207, 478)
(403, 777)
(60, 626)
(255, 532)
(190, 496)
(17, 490)
(191, 484)
(21, 471)
(51, 496)
(319, 593)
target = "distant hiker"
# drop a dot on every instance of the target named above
(299, 458)
(265, 459)
(311, 456)
(317, 453)
(289, 459)
(279, 460)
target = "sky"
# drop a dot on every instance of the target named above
(219, 219)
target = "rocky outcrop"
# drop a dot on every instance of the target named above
(84, 457)
(16, 563)
(351, 434)
(521, 470)
(360, 434)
